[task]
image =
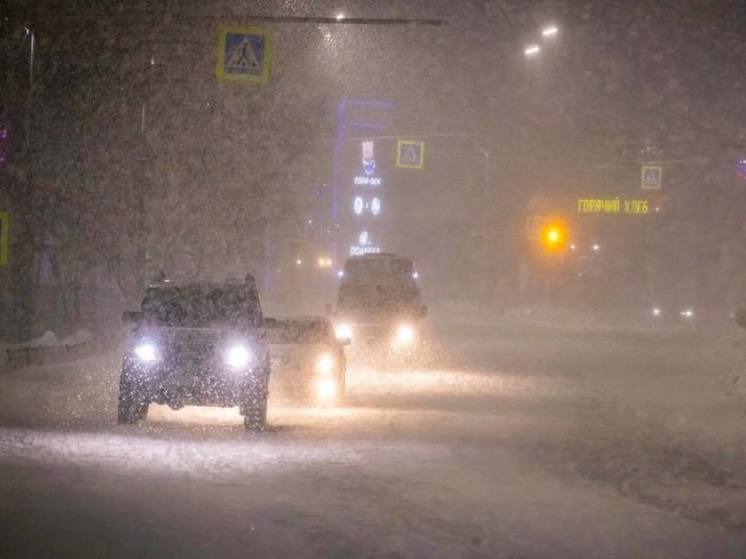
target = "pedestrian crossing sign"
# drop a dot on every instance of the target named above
(243, 54)
(410, 154)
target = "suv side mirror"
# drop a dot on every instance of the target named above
(741, 318)
(131, 316)
(423, 311)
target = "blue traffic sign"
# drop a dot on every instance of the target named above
(243, 54)
(410, 154)
(652, 177)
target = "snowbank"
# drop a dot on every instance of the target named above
(48, 347)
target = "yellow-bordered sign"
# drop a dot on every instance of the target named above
(410, 154)
(244, 54)
(651, 177)
(4, 219)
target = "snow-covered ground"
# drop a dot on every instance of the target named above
(502, 444)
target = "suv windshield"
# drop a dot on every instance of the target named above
(197, 305)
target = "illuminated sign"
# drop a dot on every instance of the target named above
(612, 206)
(366, 202)
(360, 205)
(356, 250)
(367, 150)
(364, 246)
(369, 162)
(367, 181)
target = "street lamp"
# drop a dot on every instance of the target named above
(532, 50)
(340, 16)
(549, 31)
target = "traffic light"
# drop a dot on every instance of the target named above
(554, 237)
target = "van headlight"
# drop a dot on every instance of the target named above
(146, 352)
(238, 356)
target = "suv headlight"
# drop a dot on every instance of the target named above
(146, 352)
(238, 356)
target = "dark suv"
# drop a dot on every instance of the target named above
(199, 344)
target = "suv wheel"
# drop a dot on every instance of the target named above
(133, 406)
(255, 417)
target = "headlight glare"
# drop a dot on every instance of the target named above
(325, 364)
(405, 334)
(343, 332)
(326, 389)
(238, 357)
(147, 352)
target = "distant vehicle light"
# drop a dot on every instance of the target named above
(687, 313)
(657, 311)
(415, 275)
(549, 31)
(238, 357)
(340, 273)
(147, 352)
(343, 331)
(405, 334)
(596, 247)
(532, 50)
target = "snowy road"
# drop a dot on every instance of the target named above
(514, 445)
